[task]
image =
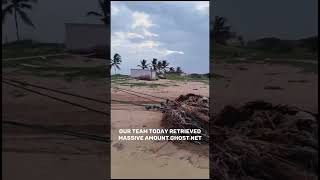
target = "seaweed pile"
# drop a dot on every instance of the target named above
(262, 141)
(187, 112)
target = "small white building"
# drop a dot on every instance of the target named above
(183, 74)
(143, 74)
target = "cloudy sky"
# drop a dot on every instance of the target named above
(174, 31)
(287, 19)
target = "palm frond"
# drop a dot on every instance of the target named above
(103, 7)
(103, 4)
(117, 58)
(92, 13)
(116, 61)
(25, 18)
(26, 6)
(6, 11)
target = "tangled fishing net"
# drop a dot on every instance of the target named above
(252, 141)
(262, 141)
(188, 112)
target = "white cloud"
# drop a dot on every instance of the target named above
(127, 35)
(148, 44)
(173, 52)
(149, 34)
(132, 35)
(119, 35)
(141, 19)
(122, 44)
(114, 9)
(201, 7)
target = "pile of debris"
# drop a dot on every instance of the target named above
(262, 141)
(252, 141)
(187, 112)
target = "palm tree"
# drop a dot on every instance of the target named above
(159, 67)
(154, 63)
(179, 70)
(221, 32)
(144, 64)
(103, 15)
(171, 70)
(115, 62)
(165, 65)
(16, 7)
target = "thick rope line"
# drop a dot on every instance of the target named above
(71, 94)
(58, 131)
(57, 91)
(127, 102)
(11, 72)
(128, 92)
(55, 98)
(77, 95)
(121, 89)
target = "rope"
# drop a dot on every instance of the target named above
(137, 95)
(126, 102)
(58, 91)
(58, 131)
(76, 95)
(71, 94)
(13, 71)
(142, 93)
(55, 98)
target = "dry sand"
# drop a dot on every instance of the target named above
(34, 154)
(247, 82)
